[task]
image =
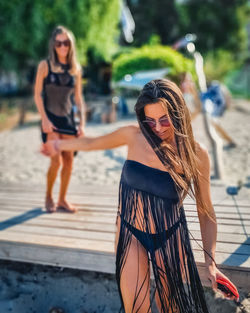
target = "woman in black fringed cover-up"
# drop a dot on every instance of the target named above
(163, 165)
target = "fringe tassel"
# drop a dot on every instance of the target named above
(176, 277)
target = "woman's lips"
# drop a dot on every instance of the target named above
(161, 134)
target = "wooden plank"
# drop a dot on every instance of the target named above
(41, 234)
(68, 220)
(227, 213)
(56, 241)
(218, 192)
(62, 232)
(55, 256)
(86, 240)
(230, 218)
(100, 227)
(103, 246)
(104, 219)
(112, 201)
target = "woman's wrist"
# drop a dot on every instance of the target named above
(210, 262)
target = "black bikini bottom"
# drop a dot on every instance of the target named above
(64, 124)
(152, 242)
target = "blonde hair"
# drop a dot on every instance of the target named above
(74, 66)
(185, 160)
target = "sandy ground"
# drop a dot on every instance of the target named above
(20, 160)
(31, 288)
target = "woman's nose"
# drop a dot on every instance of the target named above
(158, 126)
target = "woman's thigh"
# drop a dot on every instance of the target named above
(67, 156)
(135, 278)
(161, 269)
(135, 273)
(53, 136)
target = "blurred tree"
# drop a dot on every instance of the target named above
(154, 17)
(218, 24)
(26, 27)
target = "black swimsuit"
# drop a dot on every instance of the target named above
(58, 93)
(149, 212)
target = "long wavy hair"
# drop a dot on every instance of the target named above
(185, 160)
(71, 57)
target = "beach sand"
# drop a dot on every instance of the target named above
(32, 288)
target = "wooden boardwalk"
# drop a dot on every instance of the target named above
(86, 240)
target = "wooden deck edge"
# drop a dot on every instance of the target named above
(56, 256)
(98, 261)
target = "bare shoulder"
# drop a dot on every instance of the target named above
(43, 67)
(203, 157)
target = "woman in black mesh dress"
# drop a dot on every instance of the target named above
(58, 84)
(163, 165)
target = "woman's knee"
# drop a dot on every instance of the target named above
(67, 158)
(56, 161)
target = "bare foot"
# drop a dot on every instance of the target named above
(50, 205)
(65, 206)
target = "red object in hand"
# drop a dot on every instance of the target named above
(228, 288)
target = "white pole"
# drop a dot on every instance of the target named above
(215, 140)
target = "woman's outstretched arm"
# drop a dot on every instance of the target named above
(112, 140)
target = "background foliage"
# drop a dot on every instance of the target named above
(26, 27)
(151, 57)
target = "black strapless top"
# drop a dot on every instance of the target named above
(154, 181)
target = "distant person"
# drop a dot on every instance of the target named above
(220, 100)
(190, 94)
(108, 114)
(164, 164)
(58, 82)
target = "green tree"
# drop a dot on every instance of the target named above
(154, 17)
(26, 27)
(151, 57)
(218, 24)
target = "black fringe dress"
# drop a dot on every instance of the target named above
(149, 211)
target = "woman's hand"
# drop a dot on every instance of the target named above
(80, 132)
(50, 148)
(214, 274)
(47, 126)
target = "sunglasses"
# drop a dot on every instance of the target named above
(65, 43)
(164, 122)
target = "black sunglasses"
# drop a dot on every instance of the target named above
(65, 43)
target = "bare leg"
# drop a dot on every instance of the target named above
(161, 297)
(67, 161)
(135, 279)
(162, 293)
(135, 276)
(51, 177)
